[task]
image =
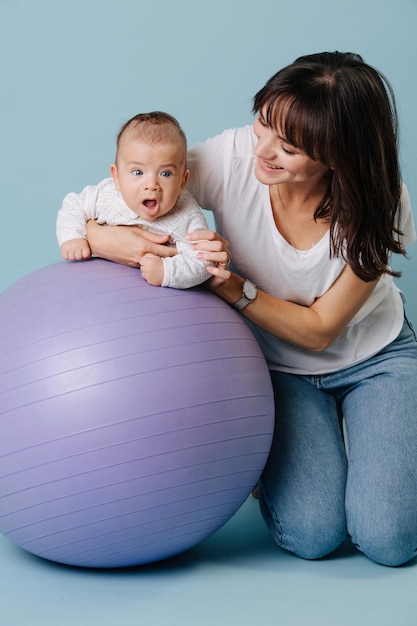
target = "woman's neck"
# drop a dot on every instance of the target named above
(300, 197)
(293, 208)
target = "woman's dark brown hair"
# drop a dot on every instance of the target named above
(341, 111)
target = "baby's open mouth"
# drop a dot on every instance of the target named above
(150, 204)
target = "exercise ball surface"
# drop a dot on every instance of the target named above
(135, 419)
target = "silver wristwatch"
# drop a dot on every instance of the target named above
(249, 294)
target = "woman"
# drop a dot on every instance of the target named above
(310, 205)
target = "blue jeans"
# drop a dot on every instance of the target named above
(317, 489)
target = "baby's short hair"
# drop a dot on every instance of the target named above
(155, 127)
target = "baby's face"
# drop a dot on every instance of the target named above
(149, 177)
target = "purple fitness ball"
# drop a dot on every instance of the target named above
(135, 420)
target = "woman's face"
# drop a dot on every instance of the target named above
(279, 162)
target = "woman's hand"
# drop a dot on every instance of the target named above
(126, 244)
(210, 246)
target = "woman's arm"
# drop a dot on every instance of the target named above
(313, 328)
(126, 244)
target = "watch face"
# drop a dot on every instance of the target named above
(249, 290)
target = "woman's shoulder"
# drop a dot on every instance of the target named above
(232, 141)
(406, 220)
(221, 168)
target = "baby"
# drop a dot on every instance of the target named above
(146, 188)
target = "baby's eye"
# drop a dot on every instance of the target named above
(137, 172)
(166, 173)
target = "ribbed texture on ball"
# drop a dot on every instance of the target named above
(135, 419)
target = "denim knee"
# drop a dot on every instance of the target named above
(309, 536)
(386, 546)
(313, 541)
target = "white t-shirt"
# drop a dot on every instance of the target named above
(222, 180)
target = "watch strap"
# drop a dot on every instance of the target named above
(245, 299)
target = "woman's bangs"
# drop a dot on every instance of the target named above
(296, 124)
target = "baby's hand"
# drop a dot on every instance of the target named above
(76, 250)
(152, 268)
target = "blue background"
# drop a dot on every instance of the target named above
(73, 72)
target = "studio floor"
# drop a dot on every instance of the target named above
(237, 577)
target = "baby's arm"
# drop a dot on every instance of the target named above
(75, 250)
(71, 223)
(185, 270)
(152, 268)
